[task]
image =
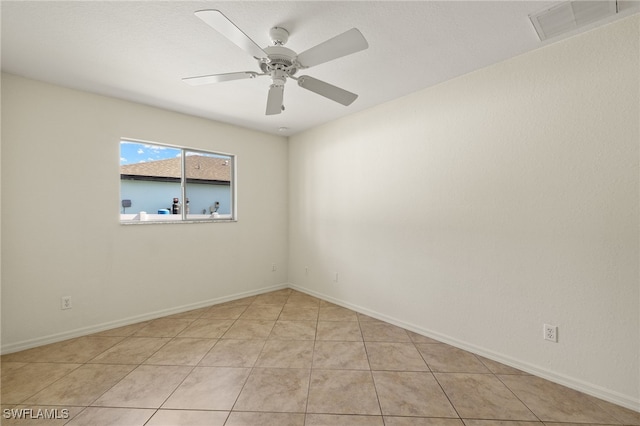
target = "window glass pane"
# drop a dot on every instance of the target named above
(153, 188)
(208, 185)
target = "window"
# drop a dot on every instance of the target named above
(161, 183)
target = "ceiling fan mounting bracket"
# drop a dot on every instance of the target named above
(279, 36)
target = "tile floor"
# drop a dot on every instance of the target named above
(281, 358)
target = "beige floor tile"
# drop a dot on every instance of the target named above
(395, 356)
(555, 403)
(7, 366)
(132, 350)
(274, 298)
(340, 355)
(448, 359)
(275, 389)
(367, 318)
(482, 396)
(124, 331)
(499, 368)
(339, 330)
(207, 328)
(233, 353)
(624, 415)
(261, 312)
(188, 418)
(21, 383)
(239, 418)
(192, 314)
(29, 355)
(336, 313)
(343, 420)
(224, 312)
(473, 422)
(302, 301)
(342, 392)
(208, 388)
(163, 328)
(286, 354)
(419, 338)
(82, 386)
(294, 330)
(411, 394)
(148, 386)
(182, 351)
(295, 313)
(249, 329)
(570, 424)
(383, 332)
(93, 416)
(421, 421)
(78, 350)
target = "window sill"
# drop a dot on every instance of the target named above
(134, 219)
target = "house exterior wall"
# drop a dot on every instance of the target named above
(478, 210)
(148, 196)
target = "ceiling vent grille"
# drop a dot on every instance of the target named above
(570, 15)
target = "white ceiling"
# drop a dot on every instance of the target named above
(140, 51)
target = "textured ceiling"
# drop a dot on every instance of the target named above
(140, 51)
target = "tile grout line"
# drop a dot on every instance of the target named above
(446, 395)
(313, 354)
(373, 380)
(252, 368)
(244, 383)
(513, 393)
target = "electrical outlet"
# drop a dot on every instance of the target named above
(335, 277)
(273, 267)
(65, 302)
(551, 333)
(306, 271)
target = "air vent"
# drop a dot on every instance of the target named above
(570, 15)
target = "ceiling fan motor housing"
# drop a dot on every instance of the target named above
(281, 62)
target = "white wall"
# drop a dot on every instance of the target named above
(479, 209)
(59, 145)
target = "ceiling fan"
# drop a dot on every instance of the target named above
(280, 63)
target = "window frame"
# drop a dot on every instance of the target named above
(151, 218)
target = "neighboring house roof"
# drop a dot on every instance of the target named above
(198, 167)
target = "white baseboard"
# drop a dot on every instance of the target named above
(561, 379)
(83, 331)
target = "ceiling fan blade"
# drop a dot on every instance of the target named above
(218, 78)
(274, 100)
(327, 90)
(216, 20)
(349, 42)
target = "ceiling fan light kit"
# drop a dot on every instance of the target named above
(281, 63)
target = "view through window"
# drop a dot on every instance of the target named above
(160, 183)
